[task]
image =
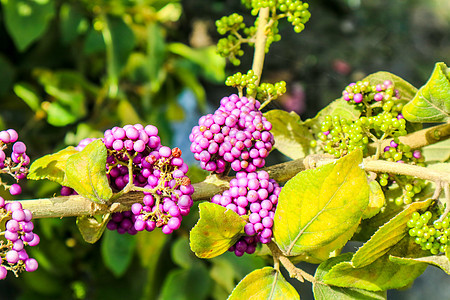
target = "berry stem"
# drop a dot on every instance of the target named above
(260, 45)
(294, 272)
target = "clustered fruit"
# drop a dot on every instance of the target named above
(15, 165)
(17, 235)
(381, 118)
(236, 133)
(433, 237)
(156, 170)
(255, 196)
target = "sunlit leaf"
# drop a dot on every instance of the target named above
(51, 166)
(292, 138)
(387, 236)
(117, 251)
(380, 275)
(439, 152)
(317, 206)
(440, 261)
(262, 284)
(216, 231)
(27, 93)
(376, 200)
(326, 292)
(86, 173)
(407, 91)
(432, 102)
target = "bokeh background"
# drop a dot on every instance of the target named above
(72, 69)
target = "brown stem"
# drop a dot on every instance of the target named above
(294, 272)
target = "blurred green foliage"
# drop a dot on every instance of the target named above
(71, 69)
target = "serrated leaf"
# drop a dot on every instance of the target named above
(27, 20)
(51, 166)
(325, 252)
(376, 200)
(440, 261)
(91, 228)
(317, 206)
(265, 283)
(117, 251)
(380, 275)
(432, 101)
(292, 138)
(86, 173)
(325, 292)
(216, 231)
(387, 236)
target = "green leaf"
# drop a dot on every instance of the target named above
(216, 231)
(387, 236)
(317, 206)
(440, 261)
(86, 173)
(51, 166)
(407, 91)
(325, 292)
(73, 23)
(376, 200)
(91, 228)
(27, 93)
(432, 102)
(338, 107)
(181, 253)
(211, 63)
(265, 283)
(117, 251)
(27, 20)
(186, 284)
(439, 152)
(292, 138)
(380, 275)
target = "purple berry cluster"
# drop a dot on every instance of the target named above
(236, 134)
(15, 164)
(18, 234)
(158, 171)
(256, 195)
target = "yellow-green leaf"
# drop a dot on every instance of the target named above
(326, 292)
(432, 102)
(380, 275)
(86, 173)
(387, 236)
(51, 166)
(91, 228)
(440, 261)
(216, 231)
(376, 200)
(264, 284)
(292, 138)
(317, 206)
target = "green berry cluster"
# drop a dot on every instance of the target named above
(268, 91)
(295, 11)
(241, 81)
(230, 46)
(410, 187)
(433, 237)
(340, 136)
